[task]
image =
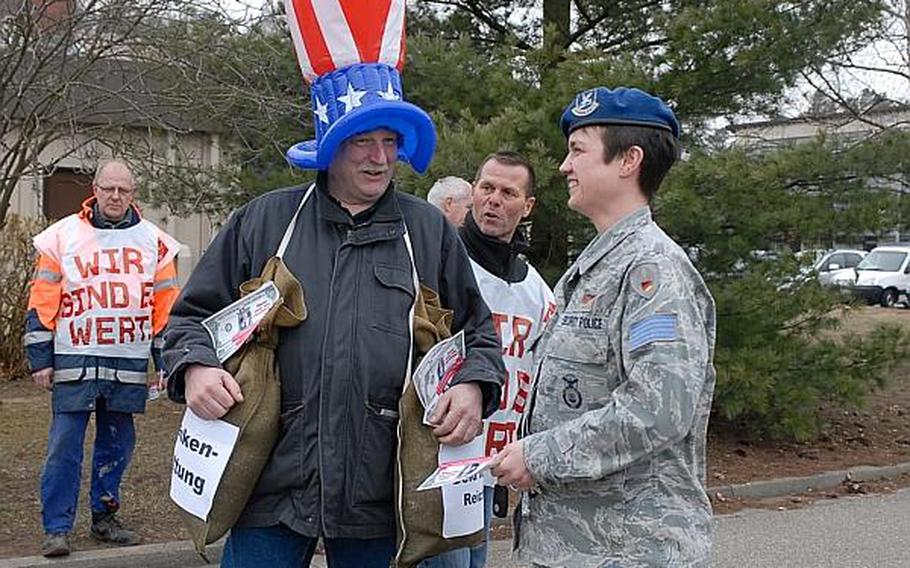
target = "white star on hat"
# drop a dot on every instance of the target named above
(351, 99)
(389, 94)
(322, 111)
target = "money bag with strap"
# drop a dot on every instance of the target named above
(257, 417)
(419, 514)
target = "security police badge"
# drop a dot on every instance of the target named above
(570, 393)
(585, 103)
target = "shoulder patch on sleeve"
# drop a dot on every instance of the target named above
(657, 327)
(645, 279)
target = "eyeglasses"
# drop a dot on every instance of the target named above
(109, 191)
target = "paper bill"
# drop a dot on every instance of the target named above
(436, 370)
(449, 473)
(231, 327)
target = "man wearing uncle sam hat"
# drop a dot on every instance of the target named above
(614, 437)
(359, 248)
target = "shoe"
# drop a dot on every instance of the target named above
(107, 528)
(57, 544)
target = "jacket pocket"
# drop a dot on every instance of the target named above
(289, 456)
(393, 300)
(569, 391)
(568, 388)
(374, 482)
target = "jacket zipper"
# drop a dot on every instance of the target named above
(325, 343)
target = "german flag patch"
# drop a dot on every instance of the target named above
(645, 280)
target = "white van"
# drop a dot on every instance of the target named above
(883, 276)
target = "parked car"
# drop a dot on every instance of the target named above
(829, 268)
(835, 268)
(883, 276)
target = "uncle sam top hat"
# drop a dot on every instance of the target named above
(351, 53)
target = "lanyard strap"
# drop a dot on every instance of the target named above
(416, 281)
(290, 230)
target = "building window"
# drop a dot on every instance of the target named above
(64, 192)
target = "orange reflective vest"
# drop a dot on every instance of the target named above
(111, 288)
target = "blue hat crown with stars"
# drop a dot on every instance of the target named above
(351, 54)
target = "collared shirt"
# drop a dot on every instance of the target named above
(99, 221)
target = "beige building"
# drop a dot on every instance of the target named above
(839, 126)
(842, 128)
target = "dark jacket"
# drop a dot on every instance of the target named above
(342, 370)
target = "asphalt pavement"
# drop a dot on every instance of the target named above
(871, 531)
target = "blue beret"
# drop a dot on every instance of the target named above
(622, 105)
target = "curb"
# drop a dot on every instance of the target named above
(182, 554)
(161, 555)
(827, 480)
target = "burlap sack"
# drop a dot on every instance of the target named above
(419, 513)
(255, 370)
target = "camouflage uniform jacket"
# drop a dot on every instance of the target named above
(615, 437)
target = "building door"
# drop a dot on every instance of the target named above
(64, 192)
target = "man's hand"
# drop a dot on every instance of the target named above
(210, 391)
(457, 418)
(509, 467)
(156, 379)
(44, 378)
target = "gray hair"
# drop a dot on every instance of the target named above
(449, 186)
(103, 164)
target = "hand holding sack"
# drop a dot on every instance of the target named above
(420, 513)
(254, 369)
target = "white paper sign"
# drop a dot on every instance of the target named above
(232, 326)
(462, 501)
(436, 370)
(201, 453)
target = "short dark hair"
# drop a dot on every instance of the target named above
(510, 158)
(659, 147)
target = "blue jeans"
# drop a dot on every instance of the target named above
(115, 438)
(475, 557)
(280, 547)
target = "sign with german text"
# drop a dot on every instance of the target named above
(462, 499)
(201, 453)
